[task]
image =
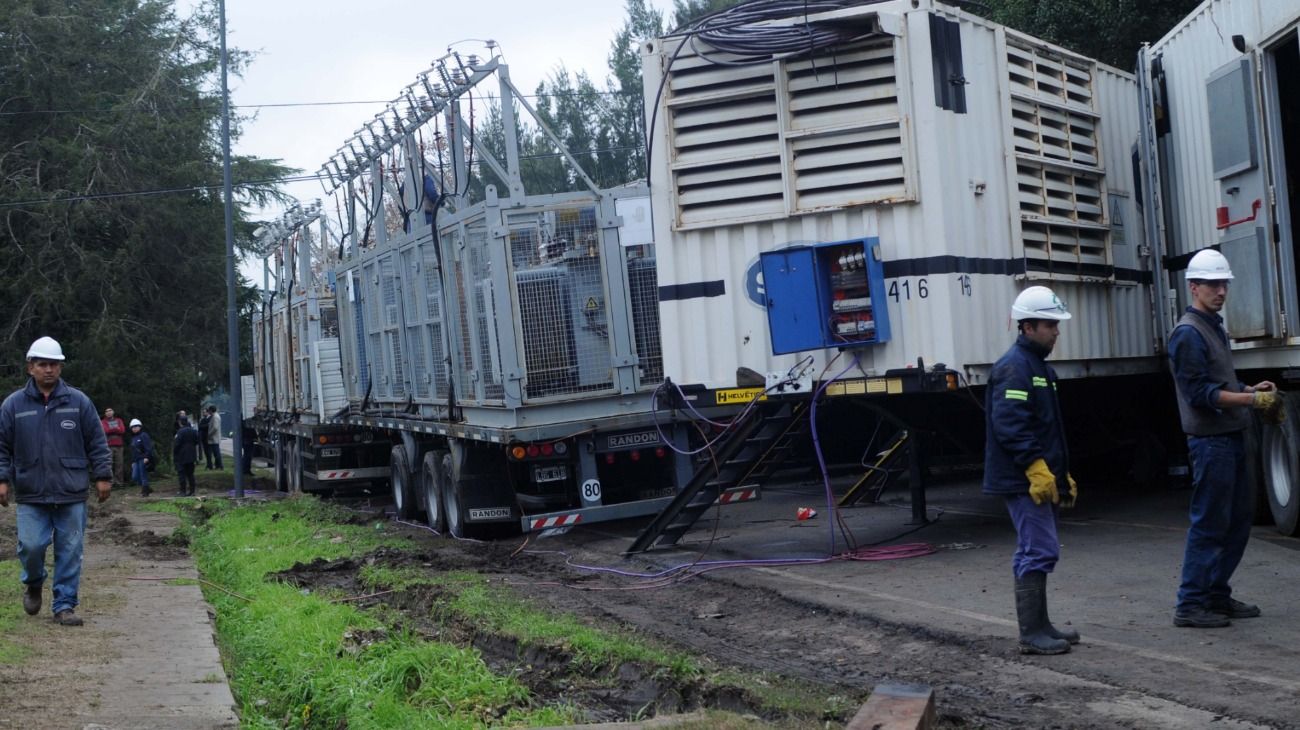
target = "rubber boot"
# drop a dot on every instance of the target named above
(1069, 635)
(1031, 613)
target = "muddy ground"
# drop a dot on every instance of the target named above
(944, 620)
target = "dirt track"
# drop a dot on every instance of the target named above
(945, 620)
(145, 657)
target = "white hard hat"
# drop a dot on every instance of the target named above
(1038, 302)
(136, 422)
(1209, 265)
(45, 348)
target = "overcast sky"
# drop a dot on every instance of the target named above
(344, 50)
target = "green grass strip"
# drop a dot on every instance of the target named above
(295, 657)
(499, 610)
(10, 613)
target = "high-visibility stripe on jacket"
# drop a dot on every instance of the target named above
(1022, 421)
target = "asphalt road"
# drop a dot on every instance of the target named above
(1116, 582)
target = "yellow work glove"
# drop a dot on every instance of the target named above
(1068, 500)
(1265, 400)
(1042, 483)
(1269, 402)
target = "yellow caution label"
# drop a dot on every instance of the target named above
(738, 395)
(591, 304)
(894, 386)
(871, 386)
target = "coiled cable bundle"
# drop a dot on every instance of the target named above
(739, 32)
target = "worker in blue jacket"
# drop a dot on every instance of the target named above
(1026, 462)
(51, 445)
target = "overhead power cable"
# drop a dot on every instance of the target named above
(243, 184)
(291, 104)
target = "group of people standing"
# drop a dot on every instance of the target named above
(53, 445)
(186, 444)
(1027, 462)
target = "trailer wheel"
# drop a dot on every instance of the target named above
(1282, 467)
(434, 483)
(474, 476)
(281, 464)
(399, 471)
(451, 496)
(1253, 438)
(295, 466)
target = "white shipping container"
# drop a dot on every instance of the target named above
(1222, 108)
(981, 160)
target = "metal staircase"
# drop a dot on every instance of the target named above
(870, 485)
(751, 452)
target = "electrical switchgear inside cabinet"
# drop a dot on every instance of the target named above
(826, 295)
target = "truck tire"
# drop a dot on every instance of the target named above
(452, 499)
(295, 466)
(399, 477)
(434, 480)
(281, 466)
(1253, 442)
(1282, 467)
(475, 477)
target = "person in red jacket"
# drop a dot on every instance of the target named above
(115, 431)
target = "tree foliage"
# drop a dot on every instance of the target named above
(1110, 31)
(113, 231)
(686, 12)
(602, 128)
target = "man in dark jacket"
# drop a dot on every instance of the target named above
(1214, 407)
(185, 453)
(51, 444)
(1026, 462)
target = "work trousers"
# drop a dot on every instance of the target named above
(1037, 546)
(1221, 512)
(119, 465)
(185, 473)
(63, 525)
(140, 474)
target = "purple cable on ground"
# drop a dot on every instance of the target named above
(821, 460)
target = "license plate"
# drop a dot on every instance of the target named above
(331, 452)
(556, 473)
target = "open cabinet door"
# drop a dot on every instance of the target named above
(1243, 216)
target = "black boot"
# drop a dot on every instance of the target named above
(1070, 635)
(1031, 612)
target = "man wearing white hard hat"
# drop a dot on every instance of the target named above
(1214, 407)
(1026, 461)
(51, 445)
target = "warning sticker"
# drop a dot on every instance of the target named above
(739, 395)
(591, 304)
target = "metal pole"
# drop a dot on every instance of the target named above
(232, 308)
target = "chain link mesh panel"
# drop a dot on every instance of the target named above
(301, 357)
(643, 289)
(560, 287)
(434, 319)
(259, 360)
(392, 319)
(378, 385)
(417, 354)
(486, 344)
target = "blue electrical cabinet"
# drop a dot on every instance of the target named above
(825, 295)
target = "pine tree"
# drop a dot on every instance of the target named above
(111, 210)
